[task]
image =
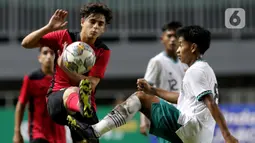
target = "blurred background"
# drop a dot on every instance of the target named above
(134, 37)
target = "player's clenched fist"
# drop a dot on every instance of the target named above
(143, 85)
(57, 20)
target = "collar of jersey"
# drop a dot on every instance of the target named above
(171, 58)
(198, 60)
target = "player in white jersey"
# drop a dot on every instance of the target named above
(194, 119)
(165, 69)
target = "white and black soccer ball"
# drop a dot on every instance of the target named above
(79, 57)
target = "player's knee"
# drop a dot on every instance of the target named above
(67, 92)
(141, 95)
(146, 99)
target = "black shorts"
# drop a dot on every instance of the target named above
(39, 140)
(58, 112)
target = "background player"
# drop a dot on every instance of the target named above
(66, 96)
(41, 128)
(165, 69)
(197, 111)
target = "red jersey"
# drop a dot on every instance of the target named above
(56, 39)
(34, 90)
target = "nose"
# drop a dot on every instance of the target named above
(49, 55)
(178, 50)
(96, 25)
(172, 39)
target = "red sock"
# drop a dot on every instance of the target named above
(72, 102)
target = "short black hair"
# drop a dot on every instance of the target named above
(196, 34)
(96, 8)
(174, 25)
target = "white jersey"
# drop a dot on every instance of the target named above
(198, 123)
(163, 72)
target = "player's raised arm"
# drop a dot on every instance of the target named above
(219, 118)
(143, 85)
(56, 22)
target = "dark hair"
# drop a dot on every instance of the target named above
(96, 8)
(174, 25)
(196, 34)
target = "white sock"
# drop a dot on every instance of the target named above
(118, 116)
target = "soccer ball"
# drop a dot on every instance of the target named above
(79, 57)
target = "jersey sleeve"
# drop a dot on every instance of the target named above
(23, 97)
(152, 71)
(98, 70)
(199, 84)
(52, 39)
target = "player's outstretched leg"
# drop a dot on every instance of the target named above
(116, 118)
(84, 98)
(163, 116)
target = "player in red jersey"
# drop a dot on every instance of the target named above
(70, 93)
(41, 128)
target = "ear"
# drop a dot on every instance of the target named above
(194, 48)
(161, 38)
(82, 21)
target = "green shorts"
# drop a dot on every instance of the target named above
(164, 117)
(161, 140)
